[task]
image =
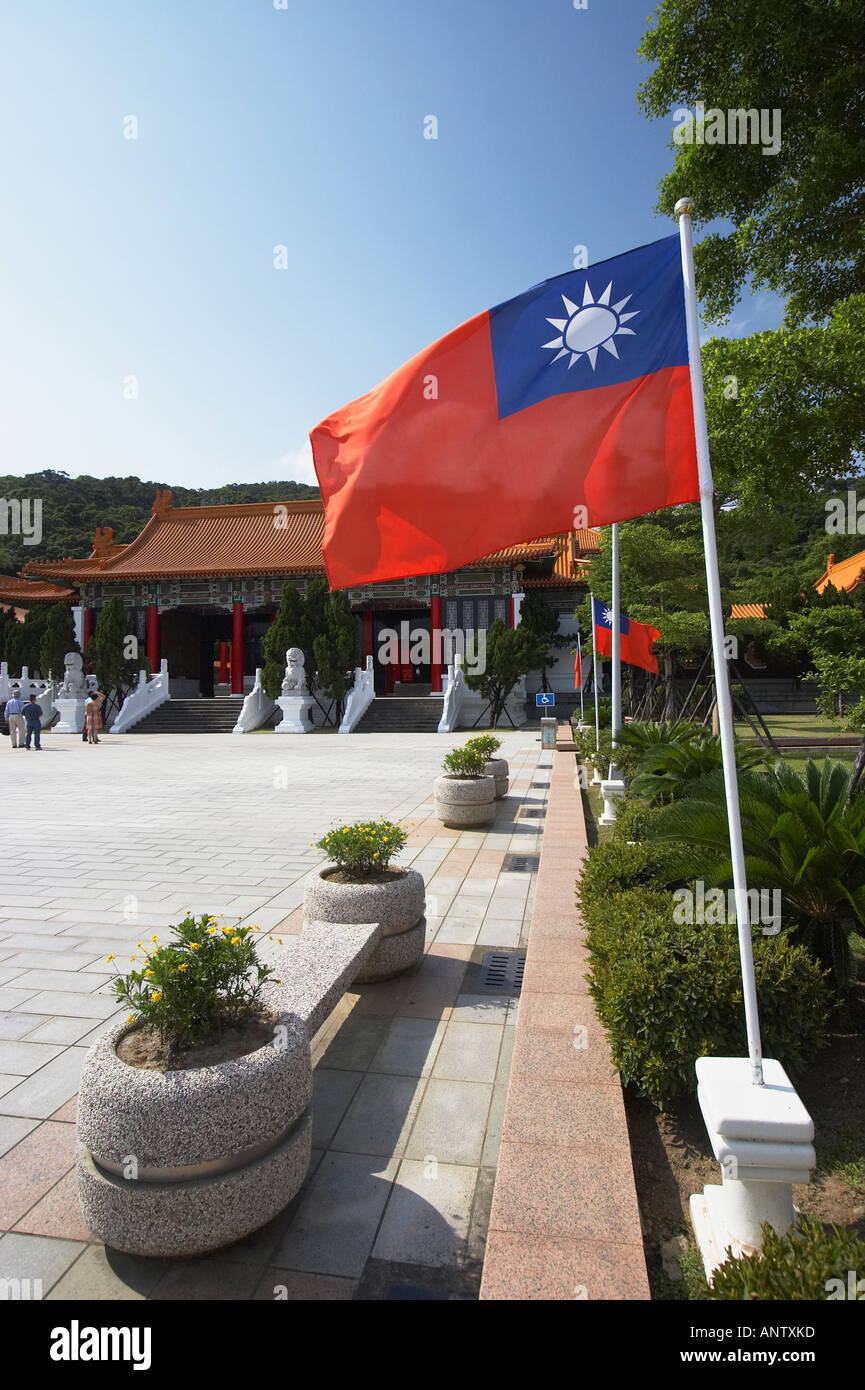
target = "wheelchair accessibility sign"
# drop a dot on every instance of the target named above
(545, 698)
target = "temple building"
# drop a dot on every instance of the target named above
(202, 584)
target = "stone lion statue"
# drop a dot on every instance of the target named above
(74, 686)
(295, 676)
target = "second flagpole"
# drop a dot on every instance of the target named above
(683, 210)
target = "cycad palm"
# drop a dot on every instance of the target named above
(801, 834)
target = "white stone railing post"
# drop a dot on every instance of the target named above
(360, 697)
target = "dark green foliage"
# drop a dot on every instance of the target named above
(23, 641)
(669, 771)
(614, 867)
(510, 653)
(668, 993)
(106, 653)
(72, 508)
(287, 630)
(633, 817)
(793, 1267)
(58, 638)
(542, 621)
(335, 650)
(802, 834)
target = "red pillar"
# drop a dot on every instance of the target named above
(511, 611)
(223, 663)
(367, 634)
(435, 622)
(153, 636)
(237, 650)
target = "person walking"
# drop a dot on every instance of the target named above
(33, 721)
(93, 722)
(14, 714)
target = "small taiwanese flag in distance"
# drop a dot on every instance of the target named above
(574, 394)
(636, 639)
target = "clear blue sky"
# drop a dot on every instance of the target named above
(301, 127)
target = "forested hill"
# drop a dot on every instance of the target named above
(72, 508)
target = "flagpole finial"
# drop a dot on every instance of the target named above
(684, 205)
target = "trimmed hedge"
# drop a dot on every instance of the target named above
(615, 866)
(668, 993)
(792, 1267)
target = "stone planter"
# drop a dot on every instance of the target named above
(498, 769)
(462, 802)
(397, 904)
(178, 1163)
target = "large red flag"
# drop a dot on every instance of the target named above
(574, 395)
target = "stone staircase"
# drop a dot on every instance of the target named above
(191, 717)
(401, 714)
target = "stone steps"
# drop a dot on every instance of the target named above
(402, 714)
(191, 717)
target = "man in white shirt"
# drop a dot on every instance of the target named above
(14, 715)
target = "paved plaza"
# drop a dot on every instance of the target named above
(106, 845)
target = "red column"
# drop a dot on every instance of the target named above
(367, 634)
(223, 663)
(237, 651)
(85, 627)
(435, 623)
(511, 611)
(153, 636)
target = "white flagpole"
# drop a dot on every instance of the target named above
(582, 682)
(683, 210)
(617, 650)
(595, 674)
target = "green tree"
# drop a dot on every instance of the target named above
(510, 653)
(797, 214)
(335, 651)
(23, 642)
(542, 620)
(287, 630)
(662, 581)
(109, 654)
(58, 638)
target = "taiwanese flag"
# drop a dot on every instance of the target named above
(576, 393)
(635, 642)
(578, 675)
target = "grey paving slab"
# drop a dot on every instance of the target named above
(72, 980)
(380, 1115)
(428, 1216)
(23, 1058)
(481, 1008)
(336, 1222)
(12, 1129)
(451, 1122)
(331, 1096)
(37, 1257)
(469, 1052)
(47, 1089)
(409, 1047)
(15, 1025)
(71, 1004)
(107, 1275)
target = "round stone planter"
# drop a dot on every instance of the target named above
(498, 769)
(397, 904)
(179, 1163)
(462, 802)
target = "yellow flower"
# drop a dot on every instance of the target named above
(195, 945)
(279, 939)
(148, 974)
(212, 920)
(140, 945)
(211, 931)
(156, 996)
(155, 938)
(132, 958)
(109, 959)
(131, 1018)
(235, 941)
(184, 966)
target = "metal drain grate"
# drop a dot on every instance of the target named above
(520, 863)
(531, 813)
(502, 971)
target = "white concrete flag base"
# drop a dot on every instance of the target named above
(762, 1138)
(72, 715)
(612, 790)
(597, 779)
(295, 714)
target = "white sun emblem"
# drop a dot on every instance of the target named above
(593, 325)
(608, 617)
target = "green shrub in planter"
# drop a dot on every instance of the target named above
(486, 744)
(614, 866)
(668, 993)
(464, 762)
(805, 1264)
